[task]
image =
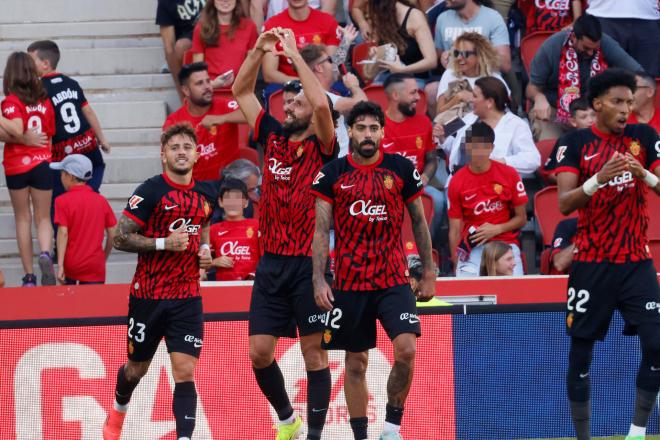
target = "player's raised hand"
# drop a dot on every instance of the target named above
(267, 41)
(635, 166)
(616, 166)
(426, 287)
(205, 258)
(288, 40)
(323, 295)
(177, 240)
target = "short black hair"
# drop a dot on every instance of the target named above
(292, 86)
(230, 184)
(480, 132)
(587, 26)
(614, 77)
(46, 50)
(189, 69)
(365, 108)
(396, 78)
(579, 104)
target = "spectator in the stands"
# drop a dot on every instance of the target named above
(486, 202)
(235, 239)
(644, 108)
(317, 58)
(635, 25)
(261, 10)
(514, 145)
(581, 113)
(26, 107)
(176, 19)
(550, 15)
(83, 218)
(563, 249)
(403, 25)
(497, 260)
(555, 83)
(310, 26)
(473, 57)
(250, 175)
(222, 38)
(214, 119)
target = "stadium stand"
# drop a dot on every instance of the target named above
(546, 212)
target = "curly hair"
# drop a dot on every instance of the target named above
(22, 79)
(182, 128)
(209, 26)
(486, 54)
(384, 25)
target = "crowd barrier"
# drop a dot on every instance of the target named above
(482, 371)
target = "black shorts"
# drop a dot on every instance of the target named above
(179, 321)
(283, 296)
(595, 290)
(39, 177)
(351, 325)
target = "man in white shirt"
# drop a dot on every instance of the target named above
(635, 25)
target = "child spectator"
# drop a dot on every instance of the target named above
(235, 241)
(582, 115)
(82, 216)
(497, 260)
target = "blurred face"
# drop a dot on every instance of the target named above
(585, 47)
(298, 115)
(252, 183)
(233, 203)
(643, 94)
(583, 118)
(198, 89)
(613, 108)
(505, 264)
(466, 57)
(481, 103)
(325, 69)
(224, 6)
(478, 151)
(406, 95)
(179, 154)
(456, 5)
(43, 67)
(365, 134)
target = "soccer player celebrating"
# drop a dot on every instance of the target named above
(603, 172)
(166, 223)
(282, 297)
(364, 195)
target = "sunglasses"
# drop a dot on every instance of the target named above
(326, 60)
(464, 53)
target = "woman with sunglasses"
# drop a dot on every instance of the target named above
(473, 57)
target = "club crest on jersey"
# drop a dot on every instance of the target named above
(388, 182)
(569, 320)
(316, 39)
(419, 143)
(134, 201)
(213, 130)
(299, 151)
(249, 232)
(409, 245)
(497, 188)
(635, 148)
(327, 336)
(561, 151)
(207, 209)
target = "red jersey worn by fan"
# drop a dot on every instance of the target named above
(318, 28)
(486, 198)
(218, 146)
(412, 138)
(230, 51)
(161, 207)
(613, 225)
(368, 208)
(238, 240)
(547, 15)
(286, 219)
(653, 122)
(19, 159)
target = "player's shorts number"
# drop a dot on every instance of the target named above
(139, 330)
(70, 117)
(34, 123)
(582, 297)
(333, 317)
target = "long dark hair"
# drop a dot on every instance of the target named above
(210, 26)
(22, 79)
(493, 88)
(382, 14)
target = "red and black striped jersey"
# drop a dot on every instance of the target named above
(612, 225)
(161, 206)
(286, 218)
(368, 207)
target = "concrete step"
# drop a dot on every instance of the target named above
(107, 60)
(68, 44)
(131, 164)
(168, 96)
(144, 114)
(133, 136)
(119, 269)
(90, 29)
(119, 192)
(57, 11)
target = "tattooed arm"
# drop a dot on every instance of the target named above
(127, 238)
(320, 249)
(423, 241)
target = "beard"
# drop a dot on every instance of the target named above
(407, 109)
(202, 100)
(181, 170)
(294, 126)
(359, 148)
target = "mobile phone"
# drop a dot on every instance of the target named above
(453, 126)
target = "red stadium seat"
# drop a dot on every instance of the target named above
(250, 154)
(276, 105)
(530, 44)
(546, 211)
(377, 94)
(545, 149)
(361, 52)
(653, 207)
(244, 137)
(406, 229)
(545, 261)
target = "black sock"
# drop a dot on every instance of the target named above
(184, 407)
(318, 398)
(124, 389)
(360, 426)
(644, 401)
(271, 383)
(581, 413)
(393, 414)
